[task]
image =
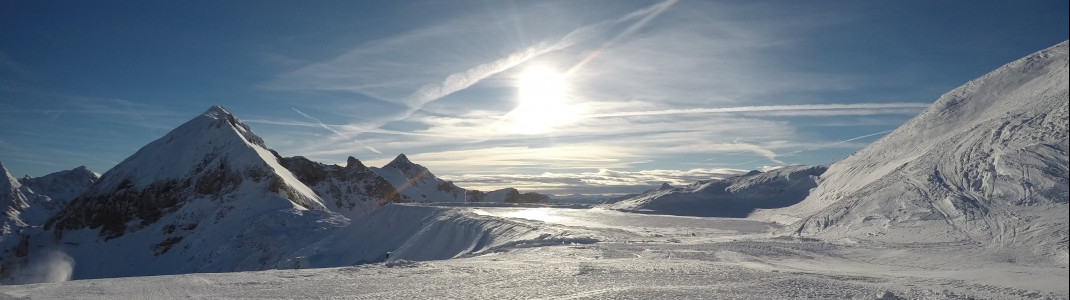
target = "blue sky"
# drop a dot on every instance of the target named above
(551, 96)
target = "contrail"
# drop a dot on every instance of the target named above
(656, 10)
(840, 142)
(808, 149)
(339, 133)
(462, 80)
(768, 108)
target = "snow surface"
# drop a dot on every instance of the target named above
(568, 253)
(987, 164)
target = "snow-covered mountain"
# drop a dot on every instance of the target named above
(26, 204)
(62, 186)
(353, 191)
(207, 196)
(735, 196)
(13, 202)
(416, 184)
(986, 163)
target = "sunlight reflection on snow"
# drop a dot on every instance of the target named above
(539, 214)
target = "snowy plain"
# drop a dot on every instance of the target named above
(582, 252)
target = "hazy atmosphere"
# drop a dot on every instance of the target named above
(558, 97)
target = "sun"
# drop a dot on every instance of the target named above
(542, 96)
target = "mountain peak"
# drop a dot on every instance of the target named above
(401, 159)
(218, 117)
(353, 162)
(217, 110)
(402, 162)
(665, 186)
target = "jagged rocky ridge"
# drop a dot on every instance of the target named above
(415, 183)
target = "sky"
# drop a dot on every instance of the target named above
(559, 97)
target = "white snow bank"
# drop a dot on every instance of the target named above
(416, 232)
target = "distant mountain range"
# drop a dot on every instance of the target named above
(209, 196)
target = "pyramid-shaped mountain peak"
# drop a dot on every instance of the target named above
(401, 159)
(403, 164)
(213, 157)
(218, 117)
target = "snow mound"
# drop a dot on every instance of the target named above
(730, 197)
(986, 163)
(418, 233)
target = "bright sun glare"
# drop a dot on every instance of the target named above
(543, 101)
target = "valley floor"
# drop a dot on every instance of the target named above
(627, 256)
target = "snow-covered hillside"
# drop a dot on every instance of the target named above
(13, 202)
(735, 196)
(26, 204)
(986, 163)
(62, 186)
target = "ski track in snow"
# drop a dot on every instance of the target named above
(635, 256)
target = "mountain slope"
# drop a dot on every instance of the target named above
(986, 163)
(206, 197)
(735, 196)
(416, 184)
(62, 186)
(14, 201)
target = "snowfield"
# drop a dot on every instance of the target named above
(573, 253)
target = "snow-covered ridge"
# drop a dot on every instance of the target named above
(986, 163)
(736, 196)
(211, 156)
(62, 186)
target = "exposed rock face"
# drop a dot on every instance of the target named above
(353, 190)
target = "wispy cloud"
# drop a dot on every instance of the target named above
(783, 110)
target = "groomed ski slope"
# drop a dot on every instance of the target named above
(531, 252)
